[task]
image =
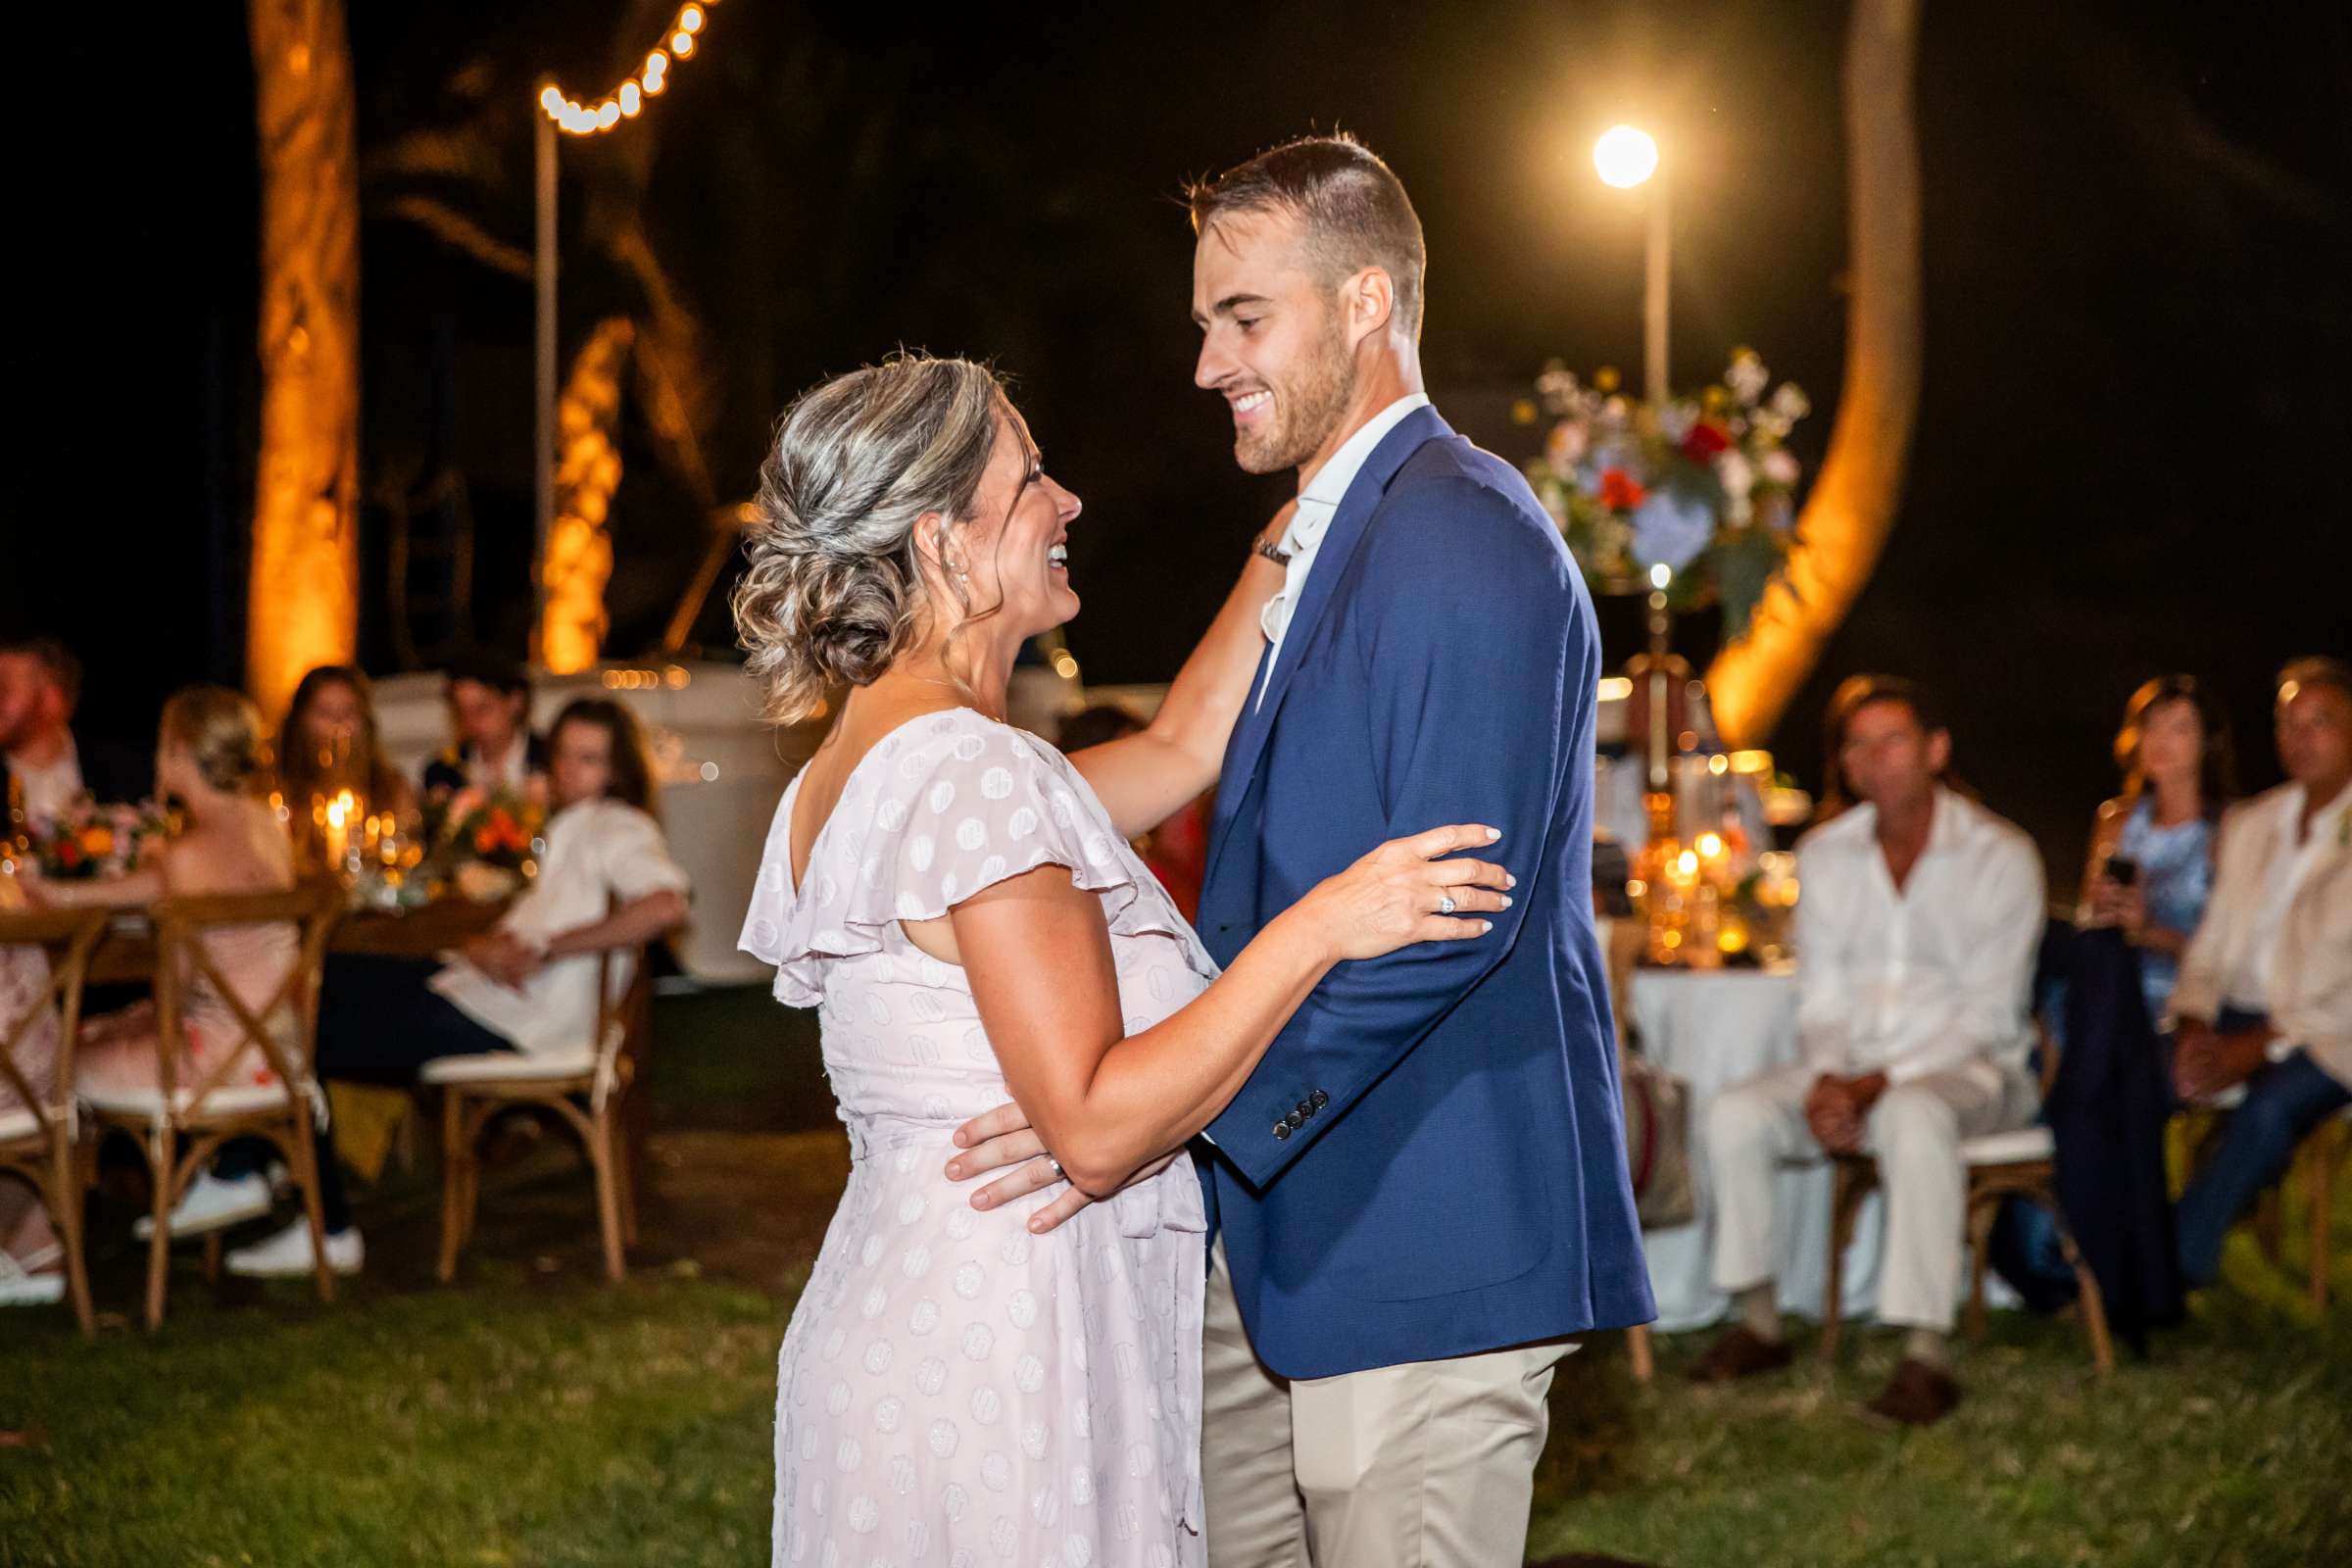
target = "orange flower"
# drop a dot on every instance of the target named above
(98, 841)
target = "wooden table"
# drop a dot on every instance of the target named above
(127, 953)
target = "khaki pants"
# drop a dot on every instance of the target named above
(1915, 1130)
(1426, 1465)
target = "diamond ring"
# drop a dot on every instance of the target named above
(1446, 903)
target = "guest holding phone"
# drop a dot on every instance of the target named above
(2151, 848)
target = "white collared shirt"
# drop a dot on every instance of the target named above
(511, 773)
(1933, 978)
(1318, 504)
(49, 790)
(2247, 985)
(598, 852)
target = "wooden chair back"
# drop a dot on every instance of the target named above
(68, 937)
(183, 959)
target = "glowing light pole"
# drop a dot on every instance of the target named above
(1625, 158)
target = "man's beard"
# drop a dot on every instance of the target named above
(1305, 412)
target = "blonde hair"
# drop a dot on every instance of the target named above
(221, 732)
(833, 592)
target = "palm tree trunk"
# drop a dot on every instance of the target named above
(302, 595)
(1845, 521)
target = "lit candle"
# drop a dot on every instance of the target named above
(339, 827)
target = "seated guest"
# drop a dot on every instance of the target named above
(1921, 915)
(45, 762)
(2264, 994)
(490, 708)
(210, 757)
(2151, 848)
(32, 1263)
(328, 740)
(527, 985)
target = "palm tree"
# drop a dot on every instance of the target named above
(303, 594)
(1845, 521)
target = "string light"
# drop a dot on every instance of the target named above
(628, 100)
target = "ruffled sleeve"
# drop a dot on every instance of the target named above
(942, 809)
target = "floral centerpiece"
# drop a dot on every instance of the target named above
(485, 840)
(1706, 486)
(90, 840)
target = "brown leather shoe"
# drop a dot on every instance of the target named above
(1741, 1352)
(1917, 1396)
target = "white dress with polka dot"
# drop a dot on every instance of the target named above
(953, 1390)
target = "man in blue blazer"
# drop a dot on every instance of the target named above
(1421, 1192)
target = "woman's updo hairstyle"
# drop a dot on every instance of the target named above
(223, 734)
(833, 591)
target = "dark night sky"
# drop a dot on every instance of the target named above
(2136, 440)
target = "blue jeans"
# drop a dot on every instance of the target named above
(2285, 1100)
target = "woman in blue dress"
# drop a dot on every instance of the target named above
(2151, 847)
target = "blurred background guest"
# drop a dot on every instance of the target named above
(329, 738)
(1176, 851)
(2264, 993)
(31, 1264)
(210, 757)
(607, 880)
(2151, 849)
(495, 750)
(45, 762)
(1921, 917)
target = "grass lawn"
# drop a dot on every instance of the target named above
(531, 1415)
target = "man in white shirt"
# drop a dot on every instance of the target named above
(1917, 928)
(2264, 994)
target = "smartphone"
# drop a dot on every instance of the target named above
(2122, 871)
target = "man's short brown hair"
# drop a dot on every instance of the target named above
(2316, 670)
(57, 662)
(1353, 208)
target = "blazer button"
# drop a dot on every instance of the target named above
(1294, 1120)
(1318, 1099)
(1281, 1129)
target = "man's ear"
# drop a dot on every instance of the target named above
(1940, 752)
(1369, 303)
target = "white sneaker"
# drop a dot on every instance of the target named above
(18, 1288)
(210, 1203)
(287, 1255)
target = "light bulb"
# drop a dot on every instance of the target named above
(1625, 157)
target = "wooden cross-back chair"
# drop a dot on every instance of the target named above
(586, 1085)
(181, 1125)
(39, 1138)
(2000, 1165)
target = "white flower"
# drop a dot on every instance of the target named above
(1790, 401)
(1747, 377)
(1738, 477)
(1565, 444)
(1557, 386)
(1779, 467)
(1675, 420)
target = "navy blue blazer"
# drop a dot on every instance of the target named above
(1430, 1160)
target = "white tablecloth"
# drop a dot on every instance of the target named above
(1716, 1030)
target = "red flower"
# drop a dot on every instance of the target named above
(1620, 491)
(69, 854)
(1705, 441)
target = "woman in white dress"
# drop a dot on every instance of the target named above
(1012, 1375)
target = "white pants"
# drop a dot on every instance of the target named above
(1426, 1465)
(1915, 1130)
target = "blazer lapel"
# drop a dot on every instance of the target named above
(1246, 749)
